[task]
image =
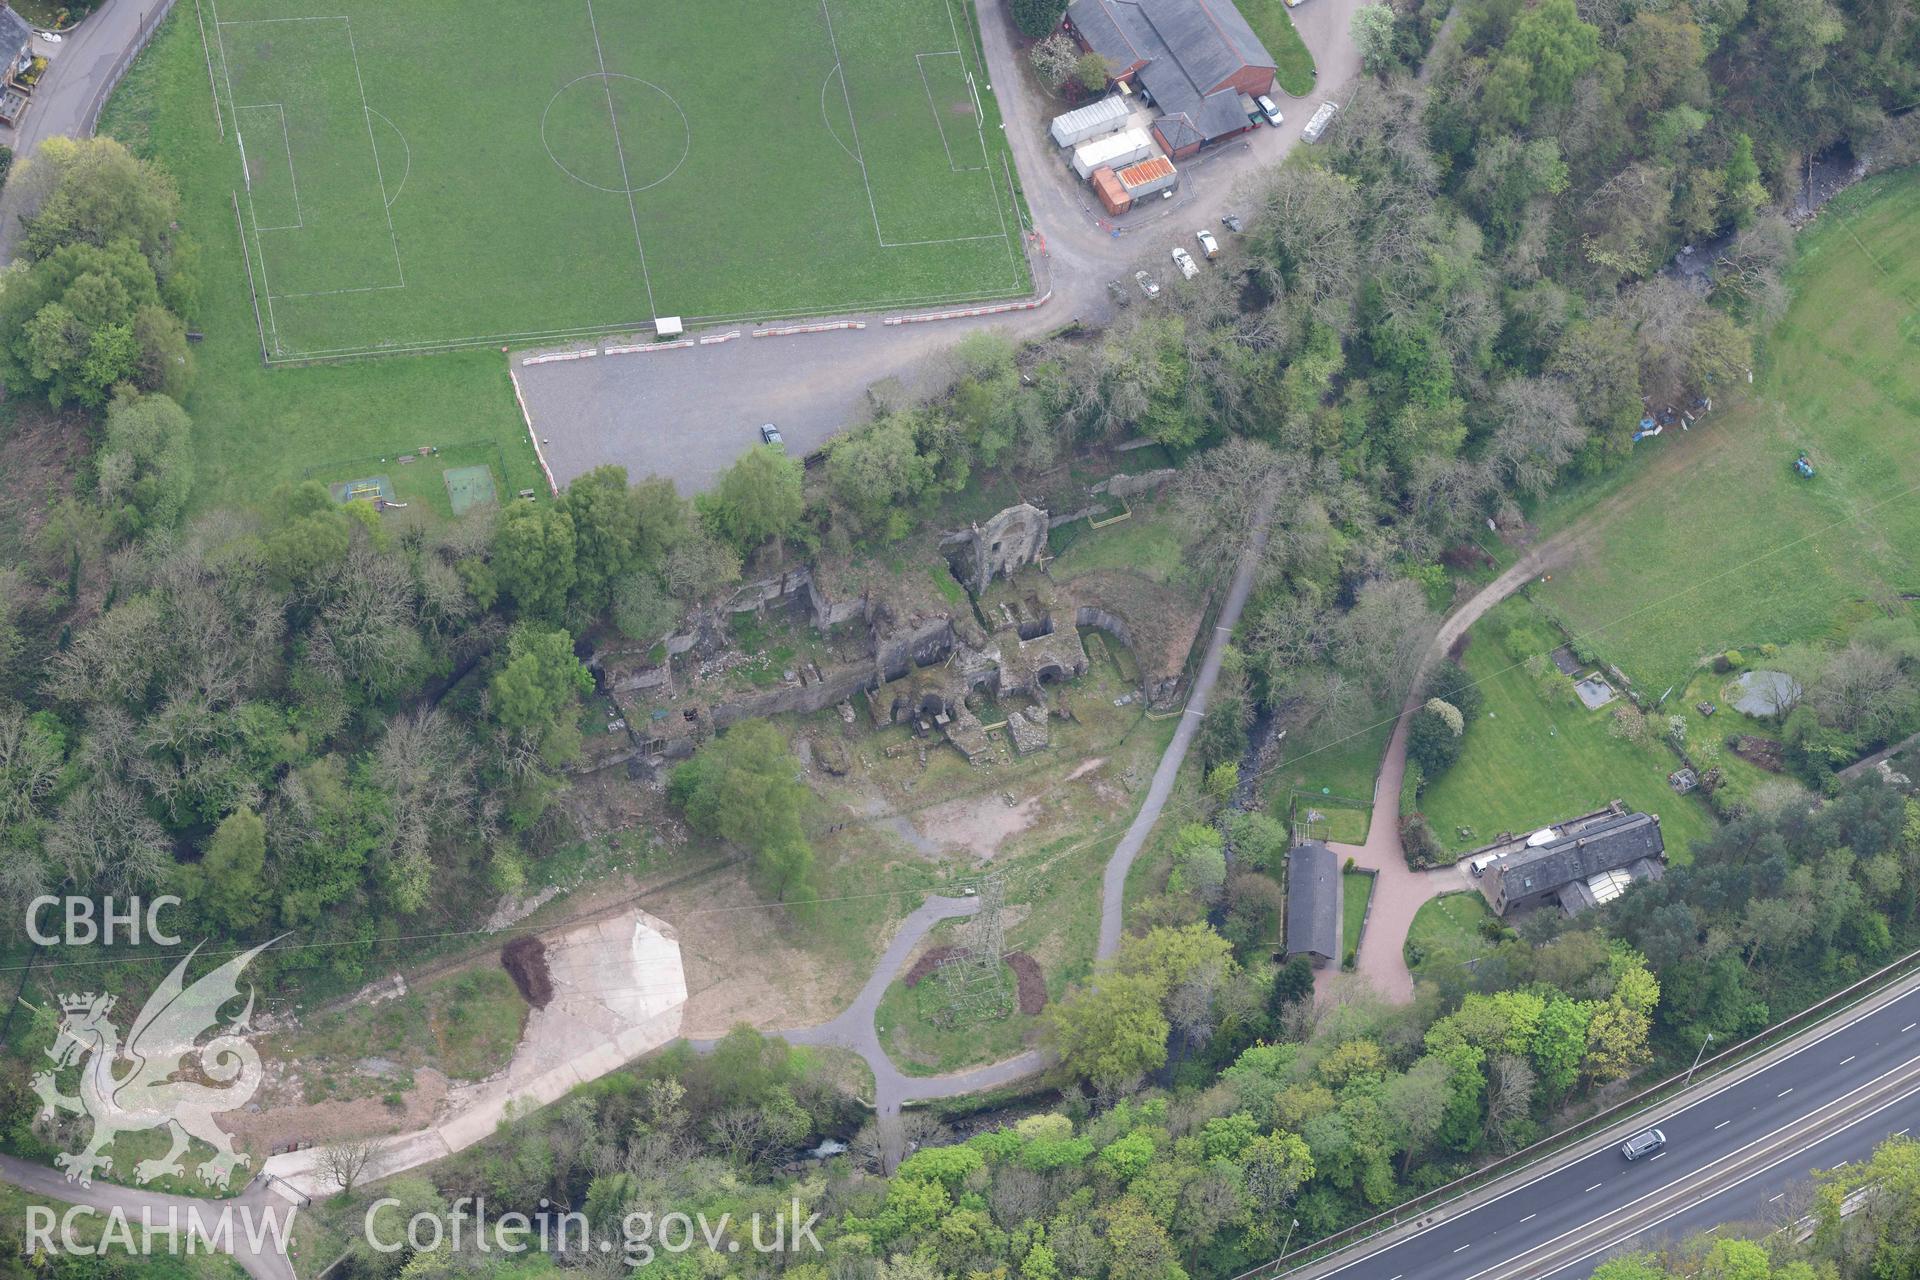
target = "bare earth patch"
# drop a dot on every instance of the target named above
(259, 1132)
(978, 825)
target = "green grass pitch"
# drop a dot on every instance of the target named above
(436, 174)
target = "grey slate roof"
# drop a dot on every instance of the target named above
(15, 34)
(1607, 845)
(1313, 901)
(1189, 47)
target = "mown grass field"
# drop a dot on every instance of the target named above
(254, 427)
(1446, 931)
(1736, 549)
(1527, 763)
(489, 172)
(1356, 889)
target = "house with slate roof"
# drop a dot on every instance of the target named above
(1579, 864)
(1193, 58)
(1314, 911)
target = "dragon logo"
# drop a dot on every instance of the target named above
(149, 1096)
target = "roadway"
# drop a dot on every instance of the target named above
(1732, 1155)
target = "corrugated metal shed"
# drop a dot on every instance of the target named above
(1148, 176)
(1112, 195)
(1090, 121)
(1118, 150)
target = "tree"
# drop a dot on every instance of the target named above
(876, 474)
(1373, 38)
(1549, 49)
(540, 678)
(228, 884)
(75, 323)
(1200, 862)
(1433, 740)
(1054, 58)
(1111, 1034)
(758, 498)
(1036, 18)
(343, 1161)
(605, 530)
(94, 191)
(145, 471)
(533, 558)
(741, 788)
(1091, 71)
(641, 610)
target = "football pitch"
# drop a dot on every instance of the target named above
(442, 173)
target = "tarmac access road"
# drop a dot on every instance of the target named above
(1732, 1154)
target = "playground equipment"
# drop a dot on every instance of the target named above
(1804, 465)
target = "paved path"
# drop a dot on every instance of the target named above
(688, 414)
(1859, 767)
(256, 1202)
(1399, 892)
(78, 71)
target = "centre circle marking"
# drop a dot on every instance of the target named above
(686, 133)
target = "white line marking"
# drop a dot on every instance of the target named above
(1595, 1187)
(366, 115)
(1723, 1124)
(1859, 1015)
(1530, 1217)
(1656, 1156)
(1901, 1134)
(1772, 1199)
(613, 119)
(408, 173)
(1463, 1248)
(1910, 1026)
(1849, 1058)
(1784, 1092)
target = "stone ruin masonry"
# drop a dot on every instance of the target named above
(932, 661)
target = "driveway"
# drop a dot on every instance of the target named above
(1399, 892)
(688, 414)
(79, 74)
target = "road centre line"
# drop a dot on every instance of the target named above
(1849, 1058)
(1530, 1217)
(1784, 1092)
(1730, 1186)
(1669, 1185)
(1723, 1124)
(1858, 1017)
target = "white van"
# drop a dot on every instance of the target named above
(1480, 864)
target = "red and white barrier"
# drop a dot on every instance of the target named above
(827, 326)
(641, 348)
(715, 339)
(969, 312)
(554, 356)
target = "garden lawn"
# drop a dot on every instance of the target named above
(1147, 542)
(1356, 888)
(1736, 549)
(1446, 930)
(1274, 25)
(1526, 764)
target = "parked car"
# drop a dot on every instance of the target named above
(1231, 221)
(1295, 4)
(1184, 260)
(1271, 112)
(1643, 1144)
(1118, 292)
(1208, 245)
(1148, 285)
(770, 434)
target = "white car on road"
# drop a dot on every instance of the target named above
(1184, 260)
